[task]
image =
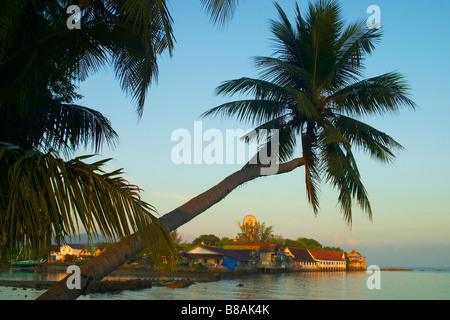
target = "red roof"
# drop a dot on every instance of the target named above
(300, 254)
(251, 245)
(233, 254)
(327, 255)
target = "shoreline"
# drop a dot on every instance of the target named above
(139, 278)
(396, 269)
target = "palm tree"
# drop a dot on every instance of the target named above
(312, 94)
(310, 91)
(41, 59)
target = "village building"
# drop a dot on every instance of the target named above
(315, 260)
(329, 260)
(90, 252)
(220, 258)
(77, 251)
(72, 249)
(355, 261)
(262, 257)
(301, 259)
(268, 257)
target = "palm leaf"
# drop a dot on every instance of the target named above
(312, 165)
(260, 89)
(341, 170)
(355, 42)
(255, 111)
(282, 148)
(48, 197)
(283, 73)
(220, 11)
(378, 144)
(63, 127)
(377, 95)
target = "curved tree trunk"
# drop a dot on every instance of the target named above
(101, 266)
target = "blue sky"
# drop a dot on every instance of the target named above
(410, 198)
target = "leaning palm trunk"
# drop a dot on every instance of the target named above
(112, 258)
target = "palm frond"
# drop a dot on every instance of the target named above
(63, 127)
(283, 73)
(340, 169)
(220, 11)
(48, 197)
(377, 95)
(354, 43)
(69, 126)
(282, 147)
(312, 165)
(260, 89)
(128, 34)
(378, 144)
(254, 111)
(285, 39)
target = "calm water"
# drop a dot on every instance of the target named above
(395, 285)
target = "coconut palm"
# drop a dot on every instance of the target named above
(312, 94)
(41, 60)
(43, 196)
(311, 91)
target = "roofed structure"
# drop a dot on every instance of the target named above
(316, 260)
(212, 256)
(329, 260)
(302, 259)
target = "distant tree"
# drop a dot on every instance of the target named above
(278, 239)
(224, 241)
(176, 237)
(308, 243)
(207, 239)
(255, 233)
(332, 248)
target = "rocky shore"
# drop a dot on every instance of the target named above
(396, 269)
(125, 279)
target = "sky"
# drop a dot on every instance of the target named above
(410, 198)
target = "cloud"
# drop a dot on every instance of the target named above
(339, 241)
(171, 195)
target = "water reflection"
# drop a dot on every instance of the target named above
(291, 286)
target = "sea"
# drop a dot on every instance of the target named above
(418, 284)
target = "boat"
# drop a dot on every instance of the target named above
(27, 264)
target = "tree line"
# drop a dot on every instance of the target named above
(214, 241)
